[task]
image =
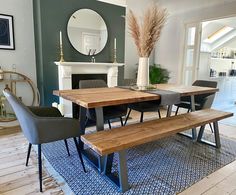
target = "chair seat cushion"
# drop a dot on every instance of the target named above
(187, 105)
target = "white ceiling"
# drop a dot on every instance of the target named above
(179, 6)
(213, 26)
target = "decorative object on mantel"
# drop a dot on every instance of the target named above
(115, 56)
(6, 32)
(61, 49)
(145, 35)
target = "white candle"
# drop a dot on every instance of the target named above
(60, 38)
(115, 43)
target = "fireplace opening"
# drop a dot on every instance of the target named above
(75, 79)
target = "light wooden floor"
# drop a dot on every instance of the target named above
(16, 179)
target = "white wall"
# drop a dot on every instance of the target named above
(24, 54)
(170, 48)
(131, 55)
(115, 2)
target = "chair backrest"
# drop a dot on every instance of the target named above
(97, 83)
(25, 117)
(205, 100)
(204, 83)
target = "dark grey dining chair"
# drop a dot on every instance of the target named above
(142, 107)
(109, 112)
(202, 101)
(44, 128)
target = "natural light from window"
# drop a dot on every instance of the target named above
(218, 34)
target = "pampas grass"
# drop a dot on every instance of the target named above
(148, 31)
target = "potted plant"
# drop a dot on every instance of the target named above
(158, 74)
(145, 34)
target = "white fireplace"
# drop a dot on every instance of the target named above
(66, 69)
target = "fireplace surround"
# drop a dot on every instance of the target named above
(66, 70)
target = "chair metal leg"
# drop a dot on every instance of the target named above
(40, 167)
(159, 113)
(177, 110)
(28, 154)
(79, 152)
(127, 116)
(121, 121)
(109, 123)
(86, 122)
(141, 117)
(67, 148)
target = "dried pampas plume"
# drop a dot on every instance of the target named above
(147, 33)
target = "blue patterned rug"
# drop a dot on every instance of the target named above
(167, 166)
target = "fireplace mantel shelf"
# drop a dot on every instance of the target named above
(88, 64)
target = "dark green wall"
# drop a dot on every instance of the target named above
(51, 16)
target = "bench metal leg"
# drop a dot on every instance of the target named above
(122, 180)
(123, 172)
(95, 160)
(194, 131)
(200, 134)
(216, 134)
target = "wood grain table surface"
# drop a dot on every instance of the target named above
(100, 97)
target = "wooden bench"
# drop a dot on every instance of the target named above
(105, 143)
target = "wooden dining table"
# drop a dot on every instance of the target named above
(98, 98)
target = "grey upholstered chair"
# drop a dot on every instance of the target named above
(142, 107)
(202, 101)
(44, 128)
(110, 112)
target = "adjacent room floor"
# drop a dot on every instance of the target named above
(17, 179)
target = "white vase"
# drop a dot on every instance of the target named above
(143, 73)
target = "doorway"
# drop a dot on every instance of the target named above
(217, 62)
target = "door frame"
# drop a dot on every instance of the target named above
(196, 48)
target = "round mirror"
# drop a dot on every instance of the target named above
(87, 32)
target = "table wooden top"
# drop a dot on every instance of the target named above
(186, 90)
(100, 97)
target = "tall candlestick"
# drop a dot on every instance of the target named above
(115, 43)
(61, 48)
(114, 52)
(60, 38)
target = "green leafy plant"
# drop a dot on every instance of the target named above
(158, 75)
